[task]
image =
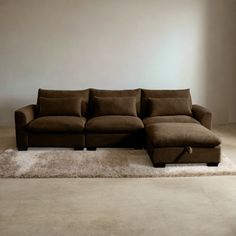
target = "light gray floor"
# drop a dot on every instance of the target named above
(152, 206)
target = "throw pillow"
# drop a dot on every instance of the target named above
(169, 106)
(103, 106)
(70, 106)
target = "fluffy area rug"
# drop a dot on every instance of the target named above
(101, 163)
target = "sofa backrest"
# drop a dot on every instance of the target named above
(82, 94)
(116, 93)
(148, 93)
(142, 96)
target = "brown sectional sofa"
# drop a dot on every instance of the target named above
(163, 121)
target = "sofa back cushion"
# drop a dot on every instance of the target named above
(124, 106)
(147, 94)
(169, 106)
(115, 93)
(70, 106)
(83, 95)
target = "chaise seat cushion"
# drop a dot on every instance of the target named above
(169, 119)
(114, 124)
(181, 135)
(60, 124)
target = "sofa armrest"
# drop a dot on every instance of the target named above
(203, 115)
(22, 117)
(25, 114)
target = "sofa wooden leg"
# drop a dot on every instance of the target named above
(91, 149)
(159, 165)
(22, 148)
(213, 164)
(78, 148)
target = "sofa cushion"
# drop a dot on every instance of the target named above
(83, 95)
(147, 94)
(103, 106)
(169, 119)
(181, 135)
(70, 106)
(169, 106)
(65, 124)
(114, 124)
(116, 93)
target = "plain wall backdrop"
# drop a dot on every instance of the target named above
(118, 44)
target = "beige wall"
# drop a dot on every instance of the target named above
(221, 59)
(75, 44)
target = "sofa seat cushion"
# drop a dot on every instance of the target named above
(114, 124)
(169, 119)
(181, 135)
(65, 124)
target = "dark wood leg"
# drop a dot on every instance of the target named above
(213, 164)
(22, 148)
(91, 149)
(160, 165)
(78, 148)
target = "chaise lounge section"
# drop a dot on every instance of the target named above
(177, 131)
(179, 143)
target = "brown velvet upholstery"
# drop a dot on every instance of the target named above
(74, 140)
(181, 135)
(169, 155)
(147, 93)
(22, 117)
(70, 106)
(94, 140)
(115, 93)
(169, 119)
(125, 106)
(83, 95)
(57, 124)
(167, 142)
(114, 124)
(169, 106)
(203, 115)
(114, 131)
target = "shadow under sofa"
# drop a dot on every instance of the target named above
(95, 118)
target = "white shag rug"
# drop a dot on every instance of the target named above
(112, 163)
